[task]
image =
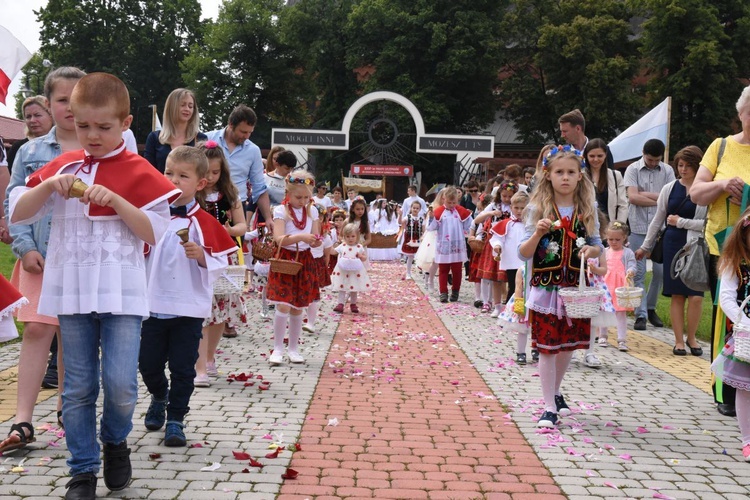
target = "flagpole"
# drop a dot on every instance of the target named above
(153, 117)
(669, 124)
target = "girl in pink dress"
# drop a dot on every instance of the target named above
(620, 268)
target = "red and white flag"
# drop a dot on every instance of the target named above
(13, 56)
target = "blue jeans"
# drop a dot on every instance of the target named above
(174, 341)
(657, 276)
(119, 337)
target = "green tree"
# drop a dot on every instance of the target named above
(244, 61)
(565, 55)
(696, 51)
(443, 55)
(142, 42)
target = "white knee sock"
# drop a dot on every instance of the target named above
(433, 273)
(622, 327)
(592, 340)
(742, 404)
(409, 262)
(478, 291)
(312, 312)
(486, 291)
(521, 339)
(295, 330)
(279, 330)
(603, 332)
(547, 376)
(562, 361)
(353, 297)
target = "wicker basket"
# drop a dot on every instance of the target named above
(383, 241)
(284, 266)
(629, 297)
(233, 279)
(476, 245)
(581, 302)
(741, 335)
(264, 247)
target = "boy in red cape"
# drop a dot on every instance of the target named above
(95, 273)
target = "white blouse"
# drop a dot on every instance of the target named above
(280, 212)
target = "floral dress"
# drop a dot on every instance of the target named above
(227, 307)
(350, 281)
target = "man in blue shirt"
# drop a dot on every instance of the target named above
(245, 161)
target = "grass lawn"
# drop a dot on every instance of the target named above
(704, 327)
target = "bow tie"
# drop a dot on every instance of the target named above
(178, 211)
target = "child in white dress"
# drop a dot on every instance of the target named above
(350, 274)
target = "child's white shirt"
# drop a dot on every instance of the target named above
(510, 241)
(178, 285)
(92, 265)
(279, 212)
(319, 251)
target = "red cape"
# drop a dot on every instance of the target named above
(10, 298)
(125, 173)
(501, 227)
(213, 236)
(462, 212)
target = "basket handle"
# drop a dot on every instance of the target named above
(742, 308)
(581, 279)
(281, 244)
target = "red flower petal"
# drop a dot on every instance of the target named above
(249, 384)
(245, 470)
(240, 455)
(196, 445)
(274, 453)
(255, 463)
(154, 456)
(290, 474)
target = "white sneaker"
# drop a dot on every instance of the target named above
(295, 357)
(591, 360)
(211, 370)
(264, 313)
(202, 381)
(308, 328)
(276, 358)
(408, 276)
(622, 346)
(495, 313)
(603, 342)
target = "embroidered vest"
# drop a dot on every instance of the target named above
(743, 288)
(414, 226)
(556, 261)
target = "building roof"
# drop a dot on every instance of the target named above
(11, 129)
(504, 129)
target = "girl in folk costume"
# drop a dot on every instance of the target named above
(350, 276)
(734, 273)
(221, 200)
(338, 221)
(562, 229)
(358, 215)
(482, 288)
(506, 236)
(425, 256)
(487, 268)
(295, 227)
(621, 266)
(452, 222)
(413, 227)
(320, 255)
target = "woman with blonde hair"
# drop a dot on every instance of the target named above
(179, 128)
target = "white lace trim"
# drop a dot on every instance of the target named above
(12, 307)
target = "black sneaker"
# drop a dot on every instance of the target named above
(156, 414)
(478, 303)
(562, 407)
(534, 356)
(640, 324)
(454, 295)
(548, 420)
(50, 378)
(521, 358)
(117, 468)
(81, 487)
(444, 297)
(174, 435)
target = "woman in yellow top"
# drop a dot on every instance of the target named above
(722, 175)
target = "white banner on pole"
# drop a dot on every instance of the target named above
(653, 125)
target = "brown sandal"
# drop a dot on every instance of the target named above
(23, 438)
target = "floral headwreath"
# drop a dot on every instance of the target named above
(299, 180)
(619, 225)
(562, 149)
(509, 186)
(321, 209)
(211, 145)
(338, 213)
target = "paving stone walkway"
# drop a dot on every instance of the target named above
(416, 399)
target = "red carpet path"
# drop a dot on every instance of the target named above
(399, 412)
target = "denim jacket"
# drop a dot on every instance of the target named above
(31, 157)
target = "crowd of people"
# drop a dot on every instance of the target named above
(140, 273)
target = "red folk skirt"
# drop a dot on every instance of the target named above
(488, 268)
(295, 291)
(332, 261)
(408, 249)
(473, 267)
(321, 272)
(555, 335)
